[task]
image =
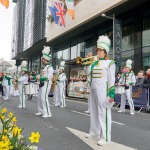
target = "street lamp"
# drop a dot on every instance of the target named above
(112, 18)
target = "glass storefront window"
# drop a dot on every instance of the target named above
(59, 57)
(36, 64)
(66, 54)
(146, 32)
(80, 51)
(127, 37)
(146, 63)
(74, 51)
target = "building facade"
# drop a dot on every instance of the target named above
(79, 36)
(29, 29)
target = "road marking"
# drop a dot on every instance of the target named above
(89, 115)
(93, 142)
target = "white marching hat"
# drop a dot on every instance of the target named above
(129, 63)
(24, 65)
(46, 53)
(103, 42)
(62, 65)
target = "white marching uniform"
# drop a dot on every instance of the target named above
(129, 79)
(23, 79)
(102, 85)
(61, 90)
(6, 86)
(43, 103)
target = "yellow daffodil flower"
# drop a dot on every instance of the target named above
(10, 114)
(14, 119)
(2, 117)
(34, 138)
(4, 110)
(16, 131)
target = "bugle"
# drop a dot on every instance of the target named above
(86, 61)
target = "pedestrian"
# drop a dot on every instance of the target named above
(102, 92)
(22, 80)
(1, 86)
(45, 79)
(6, 85)
(127, 80)
(61, 86)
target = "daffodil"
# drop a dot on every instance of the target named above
(14, 119)
(4, 110)
(16, 131)
(2, 117)
(34, 138)
(10, 114)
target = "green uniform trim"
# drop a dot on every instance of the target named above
(43, 78)
(131, 83)
(111, 92)
(8, 78)
(112, 62)
(106, 125)
(34, 77)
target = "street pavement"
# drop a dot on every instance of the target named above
(67, 127)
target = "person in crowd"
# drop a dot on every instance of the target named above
(118, 76)
(1, 86)
(61, 86)
(146, 84)
(139, 79)
(127, 80)
(22, 80)
(102, 92)
(6, 85)
(45, 79)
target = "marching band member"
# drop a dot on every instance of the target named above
(23, 79)
(45, 79)
(102, 92)
(6, 85)
(61, 86)
(127, 79)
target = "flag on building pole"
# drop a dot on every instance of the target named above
(57, 11)
(70, 8)
(53, 11)
(5, 3)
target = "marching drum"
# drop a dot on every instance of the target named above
(31, 89)
(119, 89)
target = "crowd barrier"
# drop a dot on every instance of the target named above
(139, 95)
(72, 92)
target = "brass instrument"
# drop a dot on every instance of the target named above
(86, 61)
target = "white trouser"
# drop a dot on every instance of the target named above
(43, 103)
(21, 96)
(61, 93)
(54, 95)
(128, 94)
(100, 116)
(6, 90)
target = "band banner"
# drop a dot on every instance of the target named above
(139, 96)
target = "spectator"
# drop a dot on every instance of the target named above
(139, 79)
(118, 76)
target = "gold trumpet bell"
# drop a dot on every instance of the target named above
(86, 61)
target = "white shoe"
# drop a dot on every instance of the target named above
(121, 111)
(62, 106)
(102, 142)
(90, 136)
(132, 113)
(57, 105)
(46, 116)
(87, 112)
(38, 114)
(20, 106)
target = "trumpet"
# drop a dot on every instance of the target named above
(86, 61)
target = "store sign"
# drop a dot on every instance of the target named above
(117, 41)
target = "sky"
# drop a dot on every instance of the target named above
(6, 30)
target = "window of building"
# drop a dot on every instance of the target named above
(74, 51)
(66, 54)
(59, 58)
(36, 64)
(127, 37)
(80, 49)
(146, 63)
(146, 32)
